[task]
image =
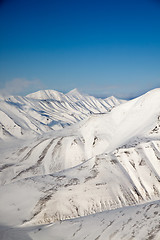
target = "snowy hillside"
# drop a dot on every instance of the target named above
(138, 222)
(104, 156)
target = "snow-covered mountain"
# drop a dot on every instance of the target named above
(47, 110)
(107, 158)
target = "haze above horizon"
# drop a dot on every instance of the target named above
(102, 48)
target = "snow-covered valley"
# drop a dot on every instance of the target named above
(74, 166)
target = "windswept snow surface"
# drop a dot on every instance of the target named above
(108, 159)
(136, 222)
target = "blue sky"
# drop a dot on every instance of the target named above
(100, 47)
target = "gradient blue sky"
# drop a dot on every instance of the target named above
(100, 47)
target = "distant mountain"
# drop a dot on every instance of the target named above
(75, 94)
(47, 94)
(46, 110)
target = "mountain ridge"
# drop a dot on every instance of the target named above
(46, 110)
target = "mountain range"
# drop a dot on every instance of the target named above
(78, 167)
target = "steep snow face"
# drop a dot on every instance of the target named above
(46, 110)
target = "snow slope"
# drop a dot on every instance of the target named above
(109, 160)
(136, 222)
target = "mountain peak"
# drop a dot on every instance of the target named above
(74, 92)
(46, 94)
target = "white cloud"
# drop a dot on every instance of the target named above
(20, 86)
